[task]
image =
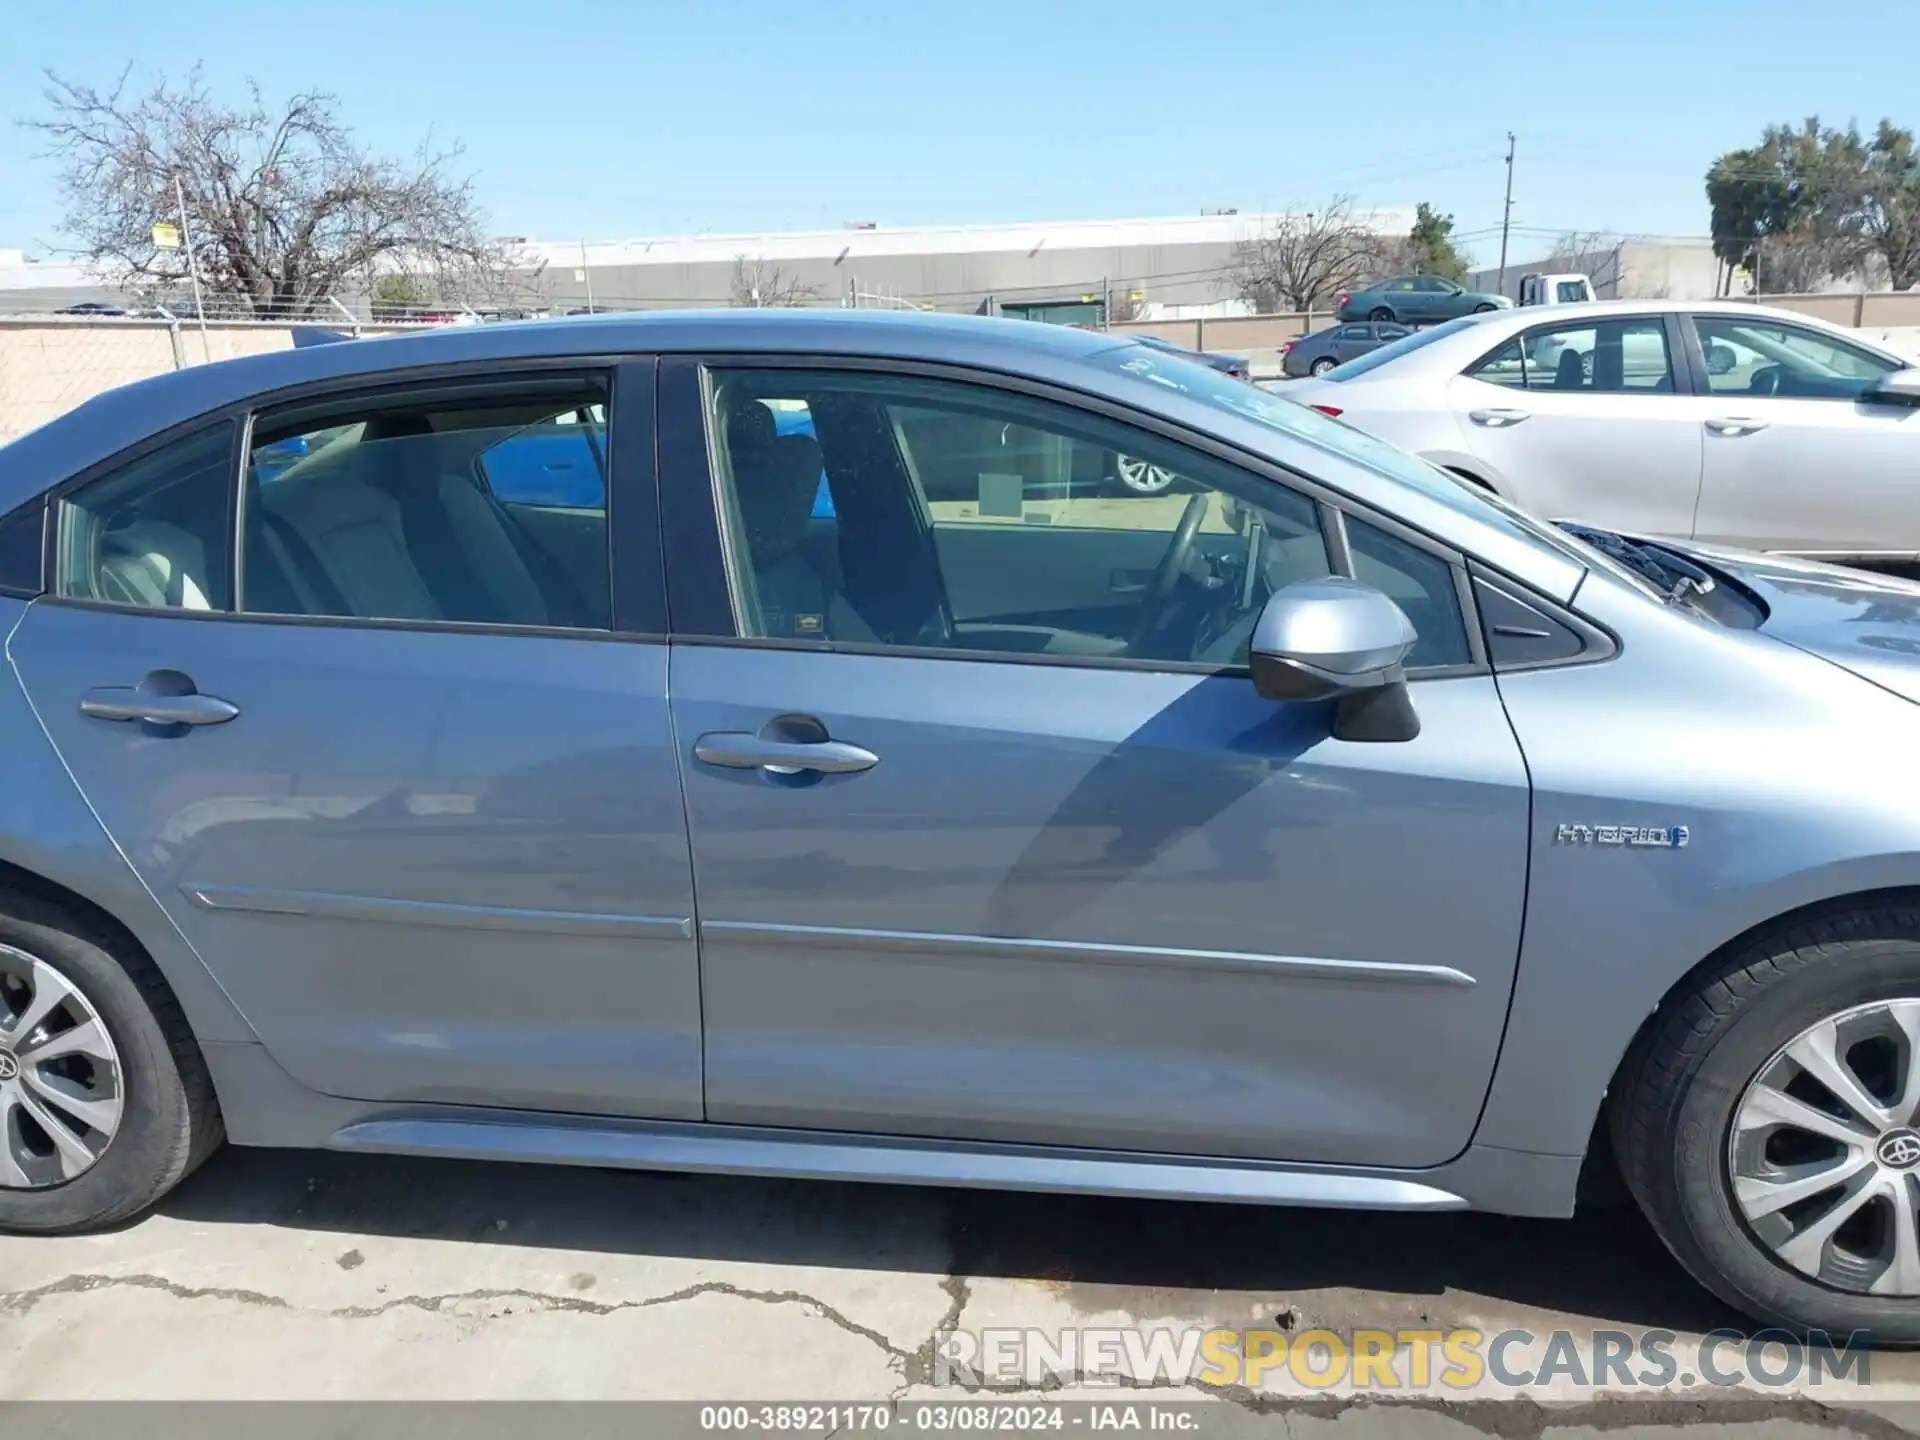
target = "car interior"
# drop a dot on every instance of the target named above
(1032, 561)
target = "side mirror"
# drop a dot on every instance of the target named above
(1342, 640)
(1901, 387)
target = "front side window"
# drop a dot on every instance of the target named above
(960, 517)
(1763, 357)
(1610, 357)
(480, 507)
(154, 533)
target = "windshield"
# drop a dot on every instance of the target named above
(1374, 359)
(1290, 417)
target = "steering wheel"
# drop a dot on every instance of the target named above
(1764, 381)
(1173, 564)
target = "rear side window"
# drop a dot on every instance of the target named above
(482, 507)
(154, 533)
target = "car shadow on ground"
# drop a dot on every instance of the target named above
(1604, 1266)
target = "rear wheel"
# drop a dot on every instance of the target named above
(1770, 1125)
(105, 1102)
(1381, 313)
(1322, 365)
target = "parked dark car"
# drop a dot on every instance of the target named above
(90, 307)
(1234, 365)
(1421, 299)
(1319, 352)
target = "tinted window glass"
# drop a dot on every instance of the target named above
(485, 508)
(156, 532)
(1597, 357)
(1421, 584)
(23, 549)
(966, 518)
(1756, 357)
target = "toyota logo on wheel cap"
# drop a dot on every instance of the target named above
(9, 1066)
(1899, 1149)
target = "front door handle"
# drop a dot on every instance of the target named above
(164, 697)
(737, 750)
(1736, 425)
(1497, 419)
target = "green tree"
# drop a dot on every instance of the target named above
(1430, 245)
(394, 297)
(1890, 208)
(1810, 203)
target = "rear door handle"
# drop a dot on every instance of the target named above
(737, 750)
(1497, 419)
(1736, 425)
(124, 702)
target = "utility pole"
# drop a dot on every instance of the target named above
(586, 275)
(193, 265)
(1506, 215)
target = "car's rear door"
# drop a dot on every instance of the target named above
(1795, 457)
(1064, 877)
(1589, 418)
(406, 782)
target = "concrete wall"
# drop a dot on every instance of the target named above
(50, 365)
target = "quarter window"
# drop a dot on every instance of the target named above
(155, 532)
(1611, 357)
(1756, 357)
(486, 506)
(964, 518)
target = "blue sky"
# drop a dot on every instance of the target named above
(602, 119)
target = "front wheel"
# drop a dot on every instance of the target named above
(1770, 1125)
(1141, 478)
(1484, 309)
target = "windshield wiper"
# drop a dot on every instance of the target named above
(1674, 574)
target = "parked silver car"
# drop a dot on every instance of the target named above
(1318, 832)
(1729, 423)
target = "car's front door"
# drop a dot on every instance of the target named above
(405, 787)
(1586, 419)
(1795, 458)
(1043, 867)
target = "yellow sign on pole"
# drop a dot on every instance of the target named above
(166, 236)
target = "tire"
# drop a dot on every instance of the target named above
(1382, 312)
(168, 1119)
(1139, 477)
(1698, 1105)
(1484, 309)
(1322, 365)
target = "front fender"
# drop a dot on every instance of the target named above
(1791, 779)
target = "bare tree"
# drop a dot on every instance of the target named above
(1593, 253)
(761, 286)
(1803, 261)
(1303, 261)
(283, 207)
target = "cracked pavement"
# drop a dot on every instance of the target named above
(283, 1275)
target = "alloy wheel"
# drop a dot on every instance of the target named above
(60, 1077)
(1824, 1152)
(1142, 478)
